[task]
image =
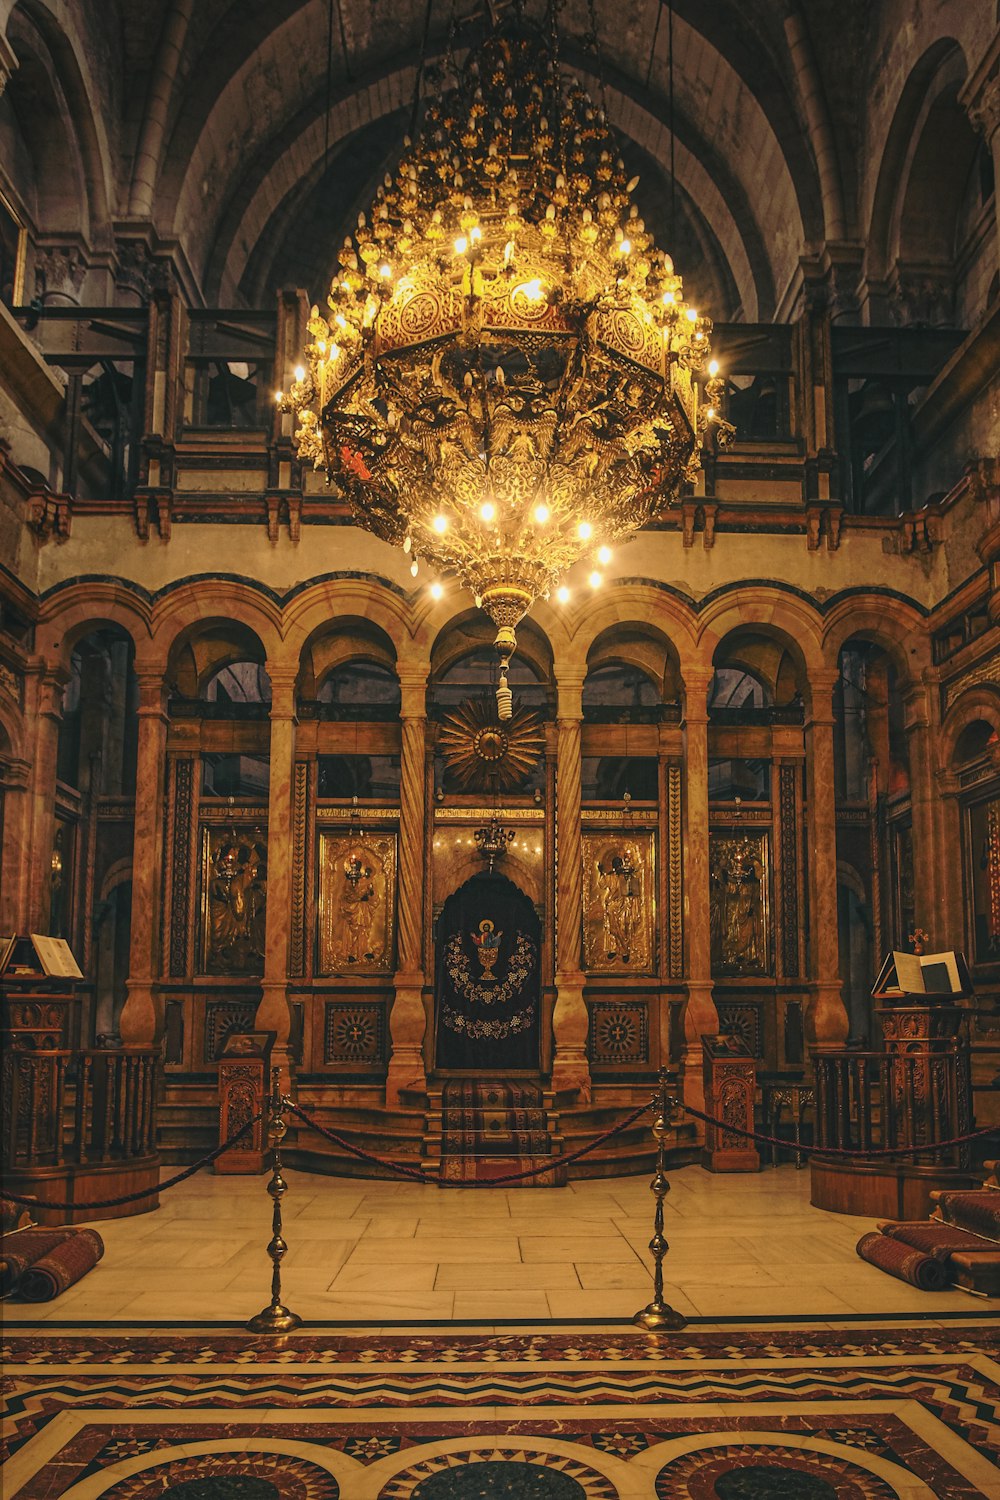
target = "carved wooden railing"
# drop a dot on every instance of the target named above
(872, 1101)
(104, 1114)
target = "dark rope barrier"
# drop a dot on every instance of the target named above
(853, 1152)
(415, 1175)
(140, 1193)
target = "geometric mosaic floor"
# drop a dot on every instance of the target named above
(865, 1411)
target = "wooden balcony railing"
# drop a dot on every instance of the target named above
(91, 1108)
(868, 1101)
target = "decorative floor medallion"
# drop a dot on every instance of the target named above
(888, 1411)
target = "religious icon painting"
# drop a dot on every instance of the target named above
(619, 902)
(357, 902)
(740, 901)
(233, 898)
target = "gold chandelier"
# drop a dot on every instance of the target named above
(504, 383)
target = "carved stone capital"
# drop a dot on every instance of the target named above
(984, 108)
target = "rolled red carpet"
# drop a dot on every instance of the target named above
(64, 1264)
(923, 1271)
(21, 1250)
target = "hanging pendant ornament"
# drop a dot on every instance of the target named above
(504, 379)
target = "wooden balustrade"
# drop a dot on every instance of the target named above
(80, 1125)
(869, 1101)
(908, 1099)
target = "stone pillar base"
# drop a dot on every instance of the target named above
(139, 1024)
(826, 1020)
(570, 1067)
(700, 1019)
(274, 1015)
(407, 1025)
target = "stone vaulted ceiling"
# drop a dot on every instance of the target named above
(249, 133)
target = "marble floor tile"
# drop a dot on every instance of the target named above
(477, 1306)
(369, 1277)
(505, 1278)
(571, 1305)
(572, 1248)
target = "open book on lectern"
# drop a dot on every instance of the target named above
(933, 975)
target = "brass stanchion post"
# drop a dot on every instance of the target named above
(658, 1314)
(276, 1317)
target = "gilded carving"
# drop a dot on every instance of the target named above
(675, 891)
(789, 872)
(357, 902)
(481, 754)
(233, 899)
(739, 906)
(296, 937)
(180, 864)
(619, 903)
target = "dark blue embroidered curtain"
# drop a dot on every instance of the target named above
(488, 977)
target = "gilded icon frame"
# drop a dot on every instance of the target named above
(356, 929)
(619, 901)
(731, 922)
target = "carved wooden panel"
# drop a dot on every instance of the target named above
(222, 1018)
(619, 1031)
(743, 1018)
(355, 1034)
(180, 864)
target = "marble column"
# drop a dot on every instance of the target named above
(141, 1022)
(273, 1013)
(44, 685)
(700, 1016)
(408, 1020)
(826, 1020)
(925, 808)
(570, 1068)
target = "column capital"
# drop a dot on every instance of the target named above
(819, 709)
(981, 95)
(413, 695)
(283, 684)
(569, 696)
(152, 694)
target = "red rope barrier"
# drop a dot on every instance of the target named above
(159, 1187)
(854, 1153)
(417, 1176)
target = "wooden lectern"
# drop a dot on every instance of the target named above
(730, 1075)
(244, 1073)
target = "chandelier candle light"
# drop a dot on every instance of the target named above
(504, 382)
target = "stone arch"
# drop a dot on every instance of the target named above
(941, 63)
(74, 610)
(979, 702)
(203, 647)
(895, 625)
(702, 157)
(200, 601)
(324, 600)
(637, 602)
(786, 620)
(11, 734)
(644, 647)
(470, 630)
(49, 29)
(346, 638)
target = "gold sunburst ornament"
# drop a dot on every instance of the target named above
(503, 382)
(481, 754)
